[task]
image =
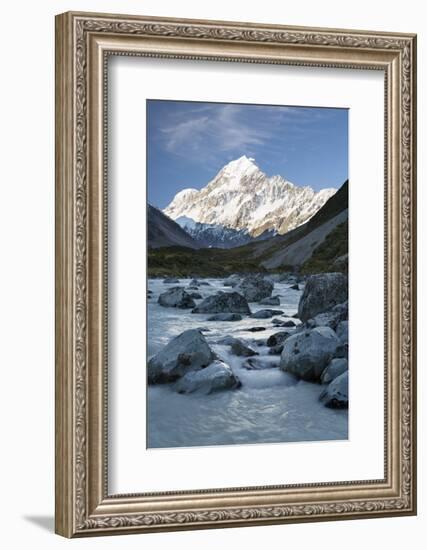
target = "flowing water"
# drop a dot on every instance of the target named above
(270, 407)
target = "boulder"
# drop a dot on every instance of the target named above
(256, 329)
(272, 301)
(226, 340)
(342, 331)
(276, 350)
(223, 302)
(294, 287)
(176, 297)
(225, 317)
(170, 280)
(321, 293)
(196, 295)
(334, 369)
(342, 351)
(187, 352)
(215, 377)
(240, 349)
(266, 313)
(278, 322)
(289, 324)
(277, 338)
(232, 280)
(194, 282)
(255, 288)
(335, 395)
(307, 353)
(261, 363)
(330, 318)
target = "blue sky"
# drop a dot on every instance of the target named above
(189, 142)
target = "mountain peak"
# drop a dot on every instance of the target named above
(240, 166)
(242, 197)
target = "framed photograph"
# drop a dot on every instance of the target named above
(235, 274)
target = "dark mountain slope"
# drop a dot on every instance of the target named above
(162, 231)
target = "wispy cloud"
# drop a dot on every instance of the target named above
(210, 131)
(205, 132)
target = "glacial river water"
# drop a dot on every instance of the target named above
(270, 407)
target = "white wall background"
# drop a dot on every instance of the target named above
(27, 271)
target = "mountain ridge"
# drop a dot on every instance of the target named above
(242, 197)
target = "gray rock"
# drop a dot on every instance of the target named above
(232, 280)
(266, 313)
(278, 338)
(289, 324)
(272, 301)
(225, 317)
(176, 297)
(307, 353)
(330, 318)
(240, 349)
(170, 280)
(259, 363)
(342, 331)
(294, 287)
(255, 288)
(256, 329)
(334, 369)
(217, 376)
(194, 282)
(321, 293)
(276, 350)
(278, 322)
(336, 393)
(227, 340)
(342, 351)
(223, 302)
(192, 287)
(195, 295)
(187, 352)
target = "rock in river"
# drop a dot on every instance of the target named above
(336, 394)
(240, 349)
(266, 313)
(232, 280)
(272, 301)
(225, 317)
(307, 353)
(217, 376)
(255, 288)
(342, 331)
(170, 280)
(334, 369)
(223, 302)
(195, 295)
(277, 338)
(187, 352)
(176, 297)
(321, 293)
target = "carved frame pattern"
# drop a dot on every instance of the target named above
(77, 510)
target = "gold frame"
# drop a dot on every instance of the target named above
(83, 505)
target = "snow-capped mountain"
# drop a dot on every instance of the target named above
(241, 197)
(218, 236)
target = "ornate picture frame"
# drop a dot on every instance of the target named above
(84, 42)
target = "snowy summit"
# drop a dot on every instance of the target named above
(243, 198)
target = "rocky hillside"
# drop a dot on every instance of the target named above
(164, 232)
